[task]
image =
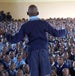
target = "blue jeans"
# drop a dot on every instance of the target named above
(39, 62)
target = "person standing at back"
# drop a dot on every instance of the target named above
(36, 30)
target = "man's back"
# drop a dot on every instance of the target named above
(36, 34)
(36, 31)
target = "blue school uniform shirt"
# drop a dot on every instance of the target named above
(20, 63)
(12, 72)
(36, 30)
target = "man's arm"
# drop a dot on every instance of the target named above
(15, 38)
(56, 33)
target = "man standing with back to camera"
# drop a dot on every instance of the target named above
(36, 30)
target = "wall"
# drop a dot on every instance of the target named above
(46, 9)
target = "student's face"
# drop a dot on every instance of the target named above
(12, 54)
(0, 56)
(24, 55)
(74, 64)
(12, 66)
(7, 58)
(66, 55)
(1, 67)
(51, 60)
(19, 58)
(74, 51)
(60, 61)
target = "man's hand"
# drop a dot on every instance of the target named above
(1, 31)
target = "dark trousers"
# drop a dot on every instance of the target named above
(39, 62)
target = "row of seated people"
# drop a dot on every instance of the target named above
(5, 16)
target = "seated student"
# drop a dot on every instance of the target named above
(72, 57)
(52, 62)
(6, 62)
(53, 73)
(62, 69)
(3, 72)
(4, 51)
(65, 72)
(12, 69)
(1, 59)
(72, 69)
(26, 70)
(19, 72)
(20, 61)
(8, 16)
(3, 16)
(13, 57)
(67, 60)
